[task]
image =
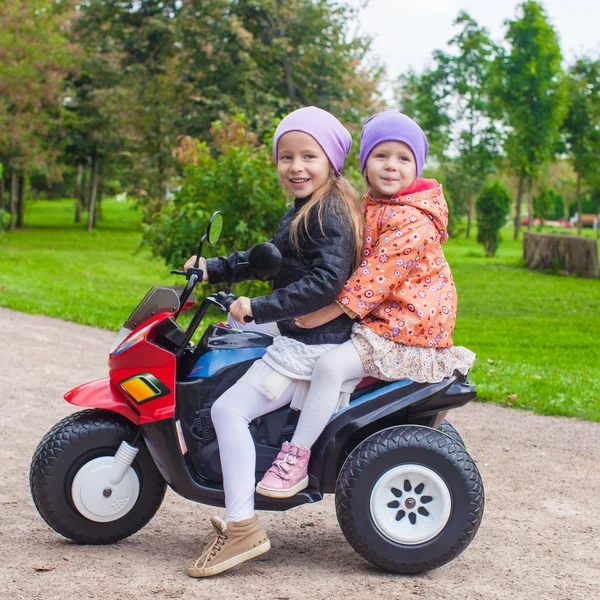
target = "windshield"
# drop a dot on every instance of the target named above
(158, 299)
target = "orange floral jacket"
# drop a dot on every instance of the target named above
(403, 290)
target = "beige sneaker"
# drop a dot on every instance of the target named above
(228, 545)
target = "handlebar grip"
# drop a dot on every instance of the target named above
(248, 319)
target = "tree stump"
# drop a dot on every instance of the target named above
(567, 253)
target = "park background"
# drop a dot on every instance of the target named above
(123, 125)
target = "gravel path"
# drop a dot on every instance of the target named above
(540, 536)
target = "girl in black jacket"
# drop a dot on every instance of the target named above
(320, 239)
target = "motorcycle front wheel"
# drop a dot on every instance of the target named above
(69, 479)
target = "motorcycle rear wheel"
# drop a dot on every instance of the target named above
(409, 499)
(68, 460)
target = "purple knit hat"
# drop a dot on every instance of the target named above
(393, 126)
(330, 134)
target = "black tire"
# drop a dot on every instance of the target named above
(408, 445)
(448, 429)
(69, 445)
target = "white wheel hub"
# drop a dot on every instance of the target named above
(99, 500)
(410, 504)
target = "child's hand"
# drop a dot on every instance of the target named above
(241, 308)
(201, 264)
(319, 317)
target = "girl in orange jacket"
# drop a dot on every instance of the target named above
(402, 292)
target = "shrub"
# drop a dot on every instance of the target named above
(239, 179)
(589, 205)
(548, 204)
(493, 205)
(4, 220)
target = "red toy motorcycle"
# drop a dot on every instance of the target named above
(409, 497)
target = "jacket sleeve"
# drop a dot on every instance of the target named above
(395, 254)
(331, 253)
(221, 268)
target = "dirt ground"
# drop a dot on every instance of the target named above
(540, 536)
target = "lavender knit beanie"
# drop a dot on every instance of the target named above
(393, 126)
(330, 134)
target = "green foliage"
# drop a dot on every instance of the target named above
(581, 123)
(466, 73)
(589, 205)
(548, 204)
(423, 98)
(238, 179)
(530, 85)
(4, 220)
(36, 56)
(157, 70)
(493, 205)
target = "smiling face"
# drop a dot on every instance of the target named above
(302, 165)
(390, 168)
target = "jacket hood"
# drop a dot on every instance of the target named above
(427, 196)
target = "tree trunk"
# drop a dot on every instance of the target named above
(2, 205)
(20, 202)
(530, 203)
(470, 213)
(94, 178)
(578, 198)
(79, 200)
(99, 185)
(87, 188)
(13, 200)
(518, 208)
(565, 254)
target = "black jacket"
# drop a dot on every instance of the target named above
(310, 278)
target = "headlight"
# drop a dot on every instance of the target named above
(126, 339)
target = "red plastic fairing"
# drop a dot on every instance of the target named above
(102, 394)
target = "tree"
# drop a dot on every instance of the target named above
(36, 56)
(493, 206)
(548, 204)
(582, 123)
(466, 74)
(186, 64)
(529, 83)
(425, 99)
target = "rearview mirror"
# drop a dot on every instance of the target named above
(264, 261)
(215, 227)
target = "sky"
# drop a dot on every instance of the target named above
(405, 32)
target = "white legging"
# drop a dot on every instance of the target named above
(239, 405)
(231, 414)
(332, 370)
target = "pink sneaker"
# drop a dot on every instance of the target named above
(289, 473)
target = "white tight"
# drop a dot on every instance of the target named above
(332, 370)
(232, 412)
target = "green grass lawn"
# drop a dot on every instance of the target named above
(535, 335)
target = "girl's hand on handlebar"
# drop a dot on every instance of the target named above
(201, 264)
(241, 308)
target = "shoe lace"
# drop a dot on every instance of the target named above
(211, 543)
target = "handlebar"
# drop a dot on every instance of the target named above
(226, 300)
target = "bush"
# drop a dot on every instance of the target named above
(548, 205)
(493, 205)
(4, 220)
(588, 206)
(239, 180)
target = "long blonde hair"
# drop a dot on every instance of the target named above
(336, 187)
